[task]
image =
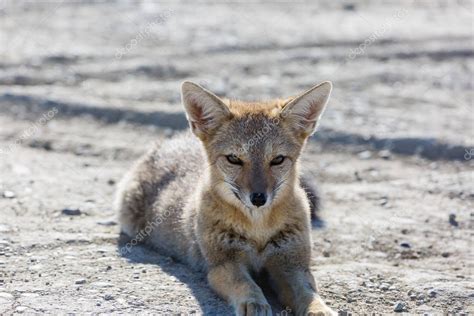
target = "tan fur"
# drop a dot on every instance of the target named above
(187, 199)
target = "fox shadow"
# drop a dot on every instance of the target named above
(208, 301)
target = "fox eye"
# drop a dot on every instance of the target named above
(233, 159)
(278, 160)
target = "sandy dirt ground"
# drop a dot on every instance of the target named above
(85, 88)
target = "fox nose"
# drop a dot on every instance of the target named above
(258, 199)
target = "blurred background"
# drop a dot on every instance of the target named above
(87, 86)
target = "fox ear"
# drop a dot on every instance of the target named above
(205, 111)
(303, 112)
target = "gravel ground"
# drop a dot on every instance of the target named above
(86, 88)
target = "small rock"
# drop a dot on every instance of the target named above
(445, 254)
(8, 194)
(108, 268)
(404, 231)
(102, 284)
(365, 155)
(385, 154)
(349, 7)
(21, 309)
(108, 297)
(452, 220)
(4, 228)
(71, 211)
(432, 293)
(80, 281)
(30, 295)
(384, 286)
(107, 223)
(405, 244)
(399, 307)
(111, 182)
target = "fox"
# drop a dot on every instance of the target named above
(228, 198)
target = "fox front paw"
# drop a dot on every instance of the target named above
(253, 308)
(318, 308)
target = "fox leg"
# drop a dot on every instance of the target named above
(296, 288)
(233, 282)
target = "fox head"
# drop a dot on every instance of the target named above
(253, 147)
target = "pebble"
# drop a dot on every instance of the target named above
(385, 154)
(8, 194)
(399, 307)
(108, 297)
(21, 309)
(71, 211)
(4, 228)
(102, 284)
(432, 293)
(80, 281)
(405, 244)
(452, 220)
(107, 223)
(384, 286)
(36, 267)
(349, 7)
(29, 295)
(365, 155)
